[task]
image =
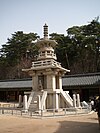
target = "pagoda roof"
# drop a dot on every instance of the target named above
(43, 42)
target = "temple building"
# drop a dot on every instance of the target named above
(49, 88)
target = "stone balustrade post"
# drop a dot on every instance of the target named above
(74, 100)
(78, 101)
(25, 107)
(20, 100)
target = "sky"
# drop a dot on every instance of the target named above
(30, 15)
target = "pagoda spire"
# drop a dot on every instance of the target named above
(45, 31)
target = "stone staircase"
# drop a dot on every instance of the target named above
(34, 104)
(67, 98)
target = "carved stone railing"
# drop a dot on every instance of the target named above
(45, 63)
(44, 96)
(30, 99)
(47, 55)
(67, 98)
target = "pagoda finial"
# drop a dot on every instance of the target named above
(45, 31)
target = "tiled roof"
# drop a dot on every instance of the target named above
(70, 80)
(81, 80)
(24, 83)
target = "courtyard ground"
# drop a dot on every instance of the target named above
(69, 124)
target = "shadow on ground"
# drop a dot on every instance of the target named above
(77, 127)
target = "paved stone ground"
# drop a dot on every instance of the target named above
(69, 124)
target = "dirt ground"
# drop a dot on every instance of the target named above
(69, 124)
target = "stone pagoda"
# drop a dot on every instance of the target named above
(46, 72)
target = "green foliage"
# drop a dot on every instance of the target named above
(19, 48)
(79, 51)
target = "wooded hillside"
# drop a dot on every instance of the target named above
(78, 51)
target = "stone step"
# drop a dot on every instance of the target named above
(33, 104)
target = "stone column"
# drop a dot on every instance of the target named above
(39, 102)
(53, 82)
(49, 85)
(78, 101)
(55, 101)
(74, 100)
(35, 82)
(25, 103)
(20, 100)
(60, 82)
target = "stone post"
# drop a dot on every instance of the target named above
(78, 101)
(55, 101)
(20, 101)
(39, 102)
(74, 100)
(60, 83)
(25, 103)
